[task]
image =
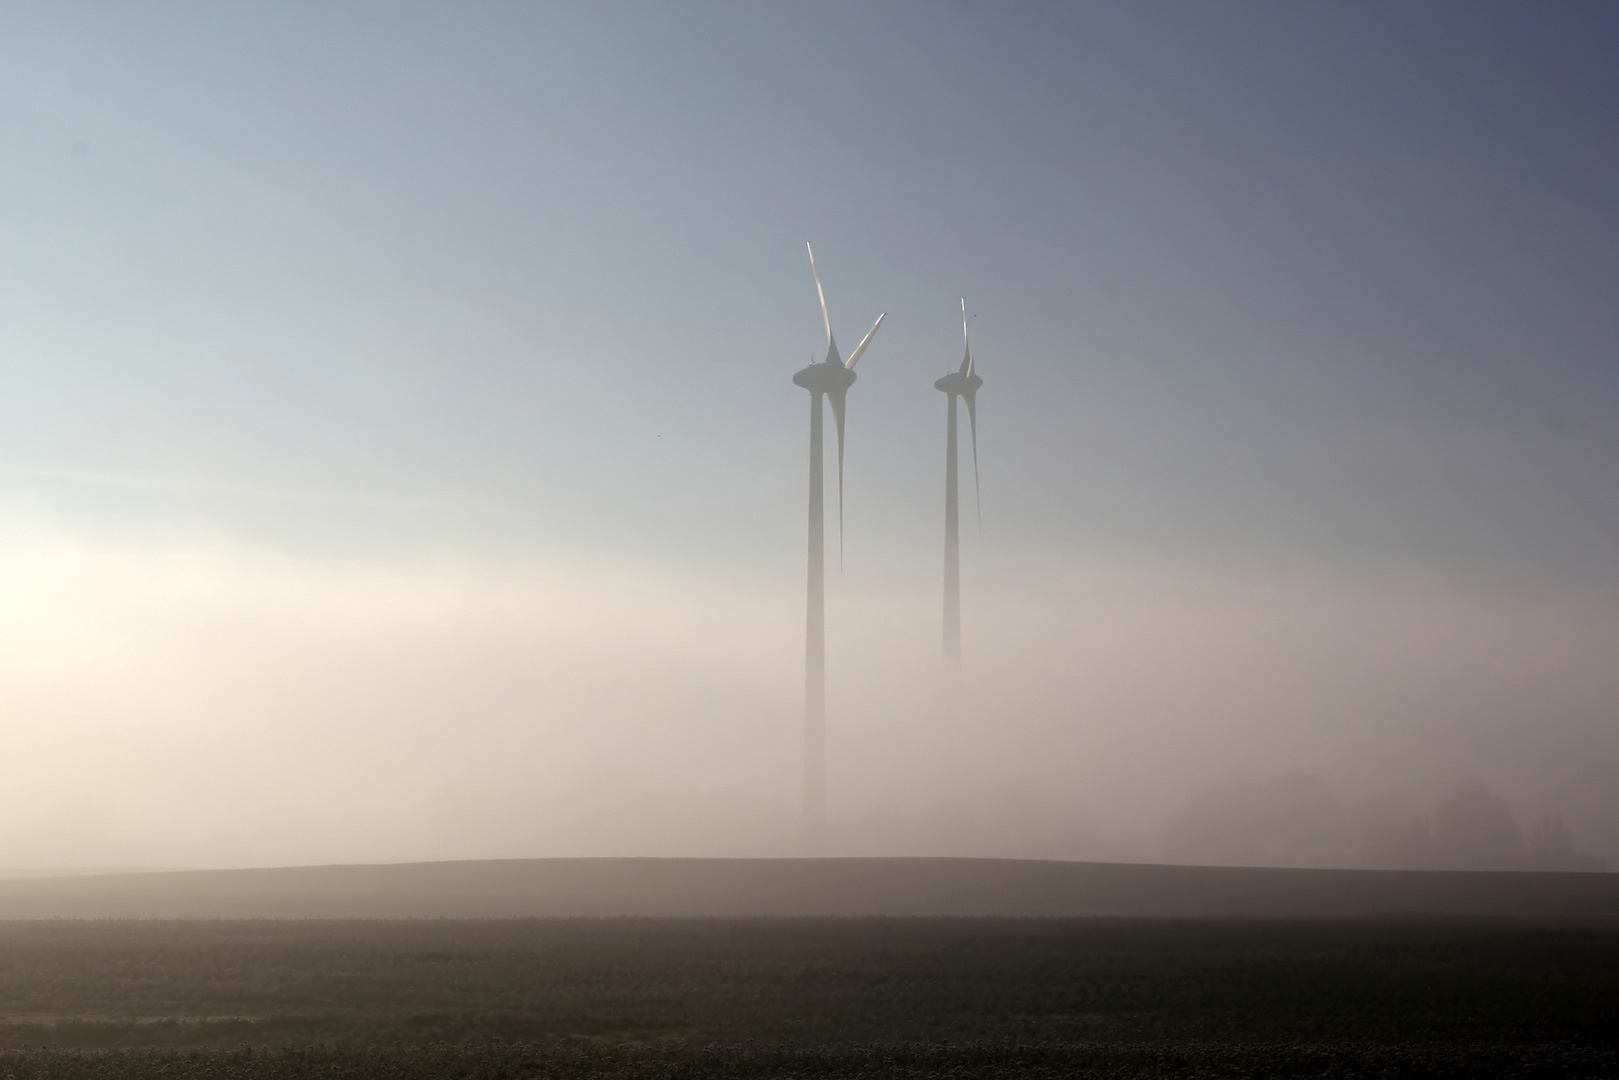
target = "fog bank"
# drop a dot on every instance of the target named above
(199, 703)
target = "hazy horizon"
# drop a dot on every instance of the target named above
(399, 458)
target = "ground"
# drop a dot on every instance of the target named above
(802, 997)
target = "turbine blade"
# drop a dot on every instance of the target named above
(971, 398)
(968, 364)
(839, 398)
(854, 357)
(966, 342)
(831, 346)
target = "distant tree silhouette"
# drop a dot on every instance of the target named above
(1294, 819)
(1474, 830)
(1551, 847)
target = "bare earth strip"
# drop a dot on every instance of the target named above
(801, 887)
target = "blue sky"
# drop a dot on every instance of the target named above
(1263, 289)
(1313, 280)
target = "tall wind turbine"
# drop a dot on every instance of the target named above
(964, 384)
(830, 379)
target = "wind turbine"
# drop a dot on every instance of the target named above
(830, 379)
(964, 384)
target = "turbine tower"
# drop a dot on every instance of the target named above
(830, 379)
(964, 384)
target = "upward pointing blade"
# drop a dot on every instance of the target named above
(972, 361)
(839, 398)
(972, 416)
(831, 345)
(971, 398)
(854, 357)
(966, 342)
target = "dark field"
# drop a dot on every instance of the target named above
(880, 997)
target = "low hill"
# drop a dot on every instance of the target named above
(800, 887)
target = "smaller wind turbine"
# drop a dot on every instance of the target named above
(963, 383)
(830, 380)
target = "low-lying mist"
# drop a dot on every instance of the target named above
(198, 704)
(1294, 819)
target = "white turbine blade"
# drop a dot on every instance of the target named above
(967, 364)
(972, 422)
(966, 342)
(826, 318)
(854, 357)
(838, 400)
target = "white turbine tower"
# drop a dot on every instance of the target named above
(964, 384)
(830, 379)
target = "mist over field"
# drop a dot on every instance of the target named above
(399, 458)
(209, 705)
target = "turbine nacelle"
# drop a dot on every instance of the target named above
(957, 383)
(825, 378)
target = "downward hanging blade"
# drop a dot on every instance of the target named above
(831, 346)
(854, 357)
(838, 399)
(971, 398)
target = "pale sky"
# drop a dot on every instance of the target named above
(398, 456)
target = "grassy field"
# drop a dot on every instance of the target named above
(881, 997)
